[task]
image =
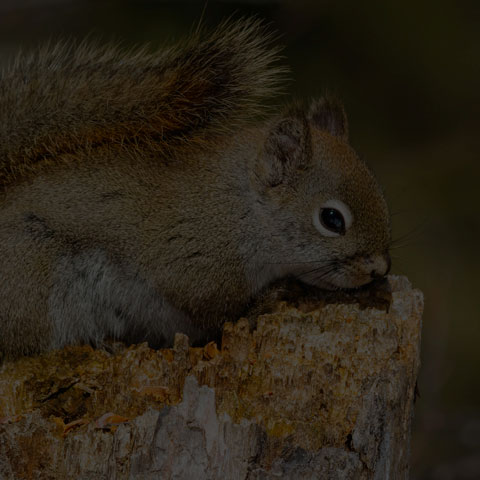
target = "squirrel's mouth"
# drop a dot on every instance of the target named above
(344, 284)
(351, 273)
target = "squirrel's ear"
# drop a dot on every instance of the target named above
(287, 149)
(328, 114)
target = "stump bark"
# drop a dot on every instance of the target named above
(322, 390)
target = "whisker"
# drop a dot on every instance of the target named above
(400, 212)
(293, 263)
(402, 245)
(416, 230)
(324, 271)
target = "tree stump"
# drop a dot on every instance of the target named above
(321, 390)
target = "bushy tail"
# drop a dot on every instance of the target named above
(68, 97)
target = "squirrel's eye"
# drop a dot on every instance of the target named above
(333, 220)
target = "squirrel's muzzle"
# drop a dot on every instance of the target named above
(381, 266)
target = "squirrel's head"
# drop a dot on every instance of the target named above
(327, 218)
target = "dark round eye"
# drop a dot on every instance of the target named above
(332, 220)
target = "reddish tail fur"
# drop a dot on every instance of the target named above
(67, 97)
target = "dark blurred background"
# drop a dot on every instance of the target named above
(409, 74)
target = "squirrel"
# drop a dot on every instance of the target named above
(139, 199)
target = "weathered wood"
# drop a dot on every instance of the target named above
(310, 393)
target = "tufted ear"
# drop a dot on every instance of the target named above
(328, 114)
(287, 149)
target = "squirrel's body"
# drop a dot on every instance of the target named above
(92, 238)
(137, 223)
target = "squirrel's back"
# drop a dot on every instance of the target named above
(65, 97)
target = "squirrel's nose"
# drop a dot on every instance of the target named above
(382, 266)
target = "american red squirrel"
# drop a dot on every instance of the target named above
(138, 200)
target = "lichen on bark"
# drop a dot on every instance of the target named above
(319, 389)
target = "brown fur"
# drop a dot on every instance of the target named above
(67, 97)
(137, 202)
